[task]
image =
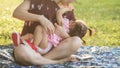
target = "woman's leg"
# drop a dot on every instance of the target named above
(40, 60)
(65, 49)
(26, 56)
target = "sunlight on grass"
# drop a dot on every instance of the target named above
(7, 23)
(101, 15)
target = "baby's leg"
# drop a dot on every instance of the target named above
(44, 46)
(44, 41)
(38, 35)
(41, 39)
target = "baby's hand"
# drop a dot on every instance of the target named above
(59, 16)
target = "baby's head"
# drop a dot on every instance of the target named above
(78, 29)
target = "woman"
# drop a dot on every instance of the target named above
(24, 54)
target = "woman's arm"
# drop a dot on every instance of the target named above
(21, 12)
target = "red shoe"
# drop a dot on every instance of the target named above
(16, 38)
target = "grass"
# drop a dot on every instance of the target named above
(102, 15)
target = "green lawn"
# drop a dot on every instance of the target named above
(102, 15)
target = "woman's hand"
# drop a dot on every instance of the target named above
(46, 24)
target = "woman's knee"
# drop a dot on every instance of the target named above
(76, 43)
(76, 40)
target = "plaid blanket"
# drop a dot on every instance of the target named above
(103, 57)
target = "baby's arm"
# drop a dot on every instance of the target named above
(59, 16)
(61, 32)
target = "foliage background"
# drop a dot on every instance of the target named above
(102, 15)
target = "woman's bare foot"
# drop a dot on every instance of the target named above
(73, 58)
(82, 58)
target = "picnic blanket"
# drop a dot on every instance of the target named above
(103, 56)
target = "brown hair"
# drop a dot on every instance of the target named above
(80, 30)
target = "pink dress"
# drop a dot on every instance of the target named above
(55, 39)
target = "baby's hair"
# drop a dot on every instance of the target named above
(80, 30)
